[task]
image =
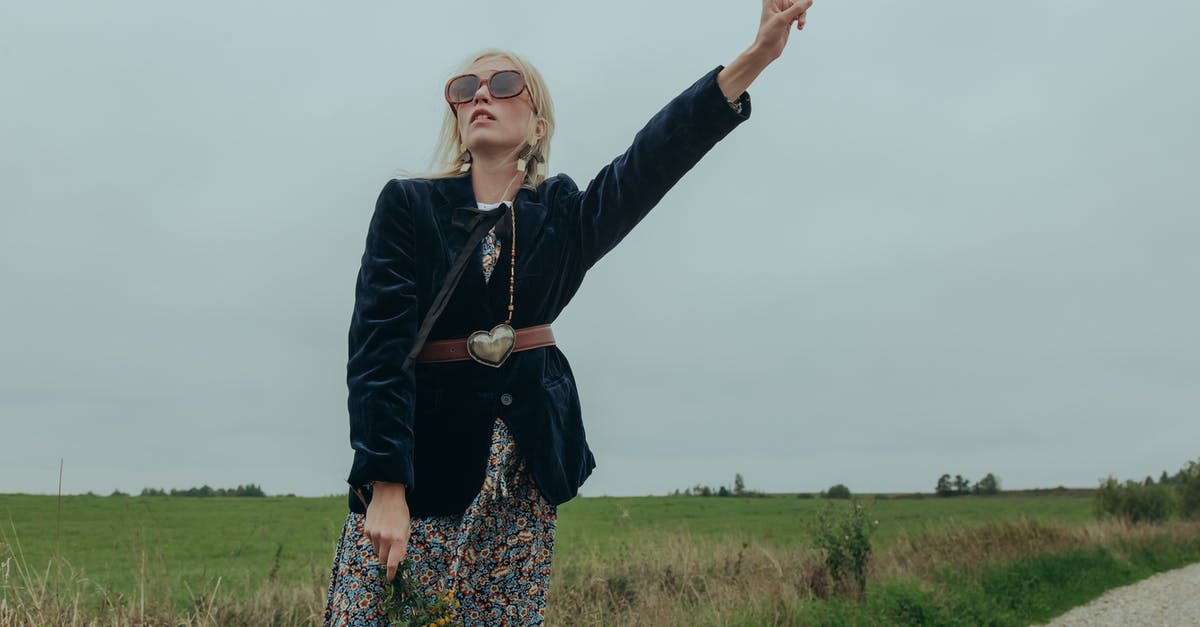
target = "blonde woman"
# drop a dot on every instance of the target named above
(464, 415)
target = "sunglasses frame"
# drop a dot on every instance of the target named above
(488, 82)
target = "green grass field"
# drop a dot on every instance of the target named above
(118, 541)
(618, 560)
(782, 521)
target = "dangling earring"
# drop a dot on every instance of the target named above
(464, 158)
(526, 153)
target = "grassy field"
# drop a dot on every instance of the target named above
(117, 541)
(612, 555)
(783, 521)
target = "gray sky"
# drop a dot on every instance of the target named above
(952, 238)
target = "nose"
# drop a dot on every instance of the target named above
(483, 92)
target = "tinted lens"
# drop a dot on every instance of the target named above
(462, 88)
(506, 84)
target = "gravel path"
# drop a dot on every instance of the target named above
(1170, 598)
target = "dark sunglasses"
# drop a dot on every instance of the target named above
(502, 84)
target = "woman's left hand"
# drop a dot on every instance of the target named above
(776, 22)
(773, 28)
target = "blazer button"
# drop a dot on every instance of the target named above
(506, 399)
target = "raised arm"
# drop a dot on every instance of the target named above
(674, 140)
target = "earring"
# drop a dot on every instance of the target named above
(526, 155)
(464, 158)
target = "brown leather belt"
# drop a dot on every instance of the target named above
(456, 350)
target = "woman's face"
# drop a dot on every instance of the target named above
(496, 126)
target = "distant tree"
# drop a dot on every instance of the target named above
(961, 485)
(1164, 478)
(944, 487)
(739, 485)
(988, 485)
(117, 492)
(705, 491)
(1148, 480)
(837, 491)
(723, 491)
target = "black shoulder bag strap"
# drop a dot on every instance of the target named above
(479, 225)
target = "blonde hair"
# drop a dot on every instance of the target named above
(445, 161)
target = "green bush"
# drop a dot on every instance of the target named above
(843, 534)
(1134, 502)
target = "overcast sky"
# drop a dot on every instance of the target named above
(952, 238)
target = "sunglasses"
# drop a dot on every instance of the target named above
(502, 84)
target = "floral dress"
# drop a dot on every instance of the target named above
(496, 555)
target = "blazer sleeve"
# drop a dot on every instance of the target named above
(626, 189)
(383, 328)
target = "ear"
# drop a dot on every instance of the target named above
(539, 128)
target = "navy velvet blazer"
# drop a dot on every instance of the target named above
(429, 426)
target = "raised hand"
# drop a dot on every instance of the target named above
(776, 22)
(773, 28)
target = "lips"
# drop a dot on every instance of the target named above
(482, 114)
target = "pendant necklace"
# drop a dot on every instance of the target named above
(491, 348)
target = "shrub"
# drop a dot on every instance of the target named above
(843, 534)
(1133, 501)
(1189, 490)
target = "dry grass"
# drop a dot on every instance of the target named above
(680, 582)
(673, 582)
(63, 596)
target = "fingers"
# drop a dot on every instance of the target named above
(796, 11)
(387, 525)
(390, 550)
(394, 557)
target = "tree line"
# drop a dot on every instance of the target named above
(961, 486)
(1150, 502)
(739, 489)
(946, 486)
(249, 489)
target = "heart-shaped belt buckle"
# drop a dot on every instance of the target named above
(491, 348)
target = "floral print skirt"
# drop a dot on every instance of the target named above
(496, 555)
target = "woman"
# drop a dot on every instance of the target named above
(464, 415)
